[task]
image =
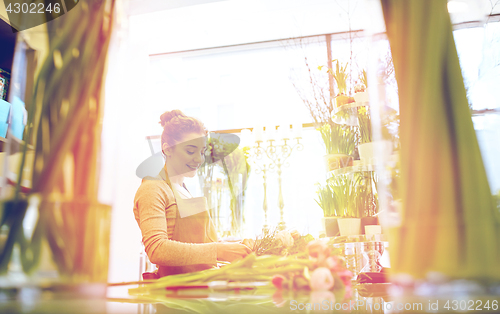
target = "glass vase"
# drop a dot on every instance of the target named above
(52, 243)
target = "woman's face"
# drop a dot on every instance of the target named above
(187, 155)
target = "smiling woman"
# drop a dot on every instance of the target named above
(177, 231)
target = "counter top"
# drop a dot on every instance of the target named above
(366, 298)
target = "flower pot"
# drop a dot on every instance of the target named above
(331, 226)
(370, 153)
(367, 221)
(362, 98)
(349, 226)
(336, 161)
(341, 100)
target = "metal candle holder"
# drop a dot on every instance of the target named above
(277, 154)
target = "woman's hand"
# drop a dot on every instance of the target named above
(249, 242)
(230, 251)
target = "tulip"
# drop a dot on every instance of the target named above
(333, 263)
(316, 248)
(278, 281)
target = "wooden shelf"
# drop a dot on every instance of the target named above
(352, 116)
(17, 145)
(349, 106)
(348, 170)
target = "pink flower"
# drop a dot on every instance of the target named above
(333, 263)
(316, 248)
(321, 279)
(278, 281)
(345, 273)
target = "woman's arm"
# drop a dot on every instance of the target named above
(151, 200)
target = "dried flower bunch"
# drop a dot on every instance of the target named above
(275, 242)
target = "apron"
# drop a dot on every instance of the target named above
(192, 225)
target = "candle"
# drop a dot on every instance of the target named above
(258, 133)
(245, 138)
(284, 131)
(297, 130)
(271, 132)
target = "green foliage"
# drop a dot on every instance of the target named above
(497, 200)
(339, 139)
(365, 125)
(353, 195)
(326, 201)
(340, 76)
(363, 79)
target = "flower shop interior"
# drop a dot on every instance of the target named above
(355, 142)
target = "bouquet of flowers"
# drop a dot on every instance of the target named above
(327, 272)
(315, 269)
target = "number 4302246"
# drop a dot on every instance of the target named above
(471, 305)
(33, 8)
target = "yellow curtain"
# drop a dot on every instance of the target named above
(449, 221)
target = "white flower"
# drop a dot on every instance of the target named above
(321, 279)
(285, 237)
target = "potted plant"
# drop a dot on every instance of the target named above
(326, 200)
(340, 76)
(361, 90)
(340, 142)
(346, 194)
(365, 148)
(369, 149)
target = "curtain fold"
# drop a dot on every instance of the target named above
(450, 223)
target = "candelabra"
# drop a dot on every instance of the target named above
(263, 168)
(277, 152)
